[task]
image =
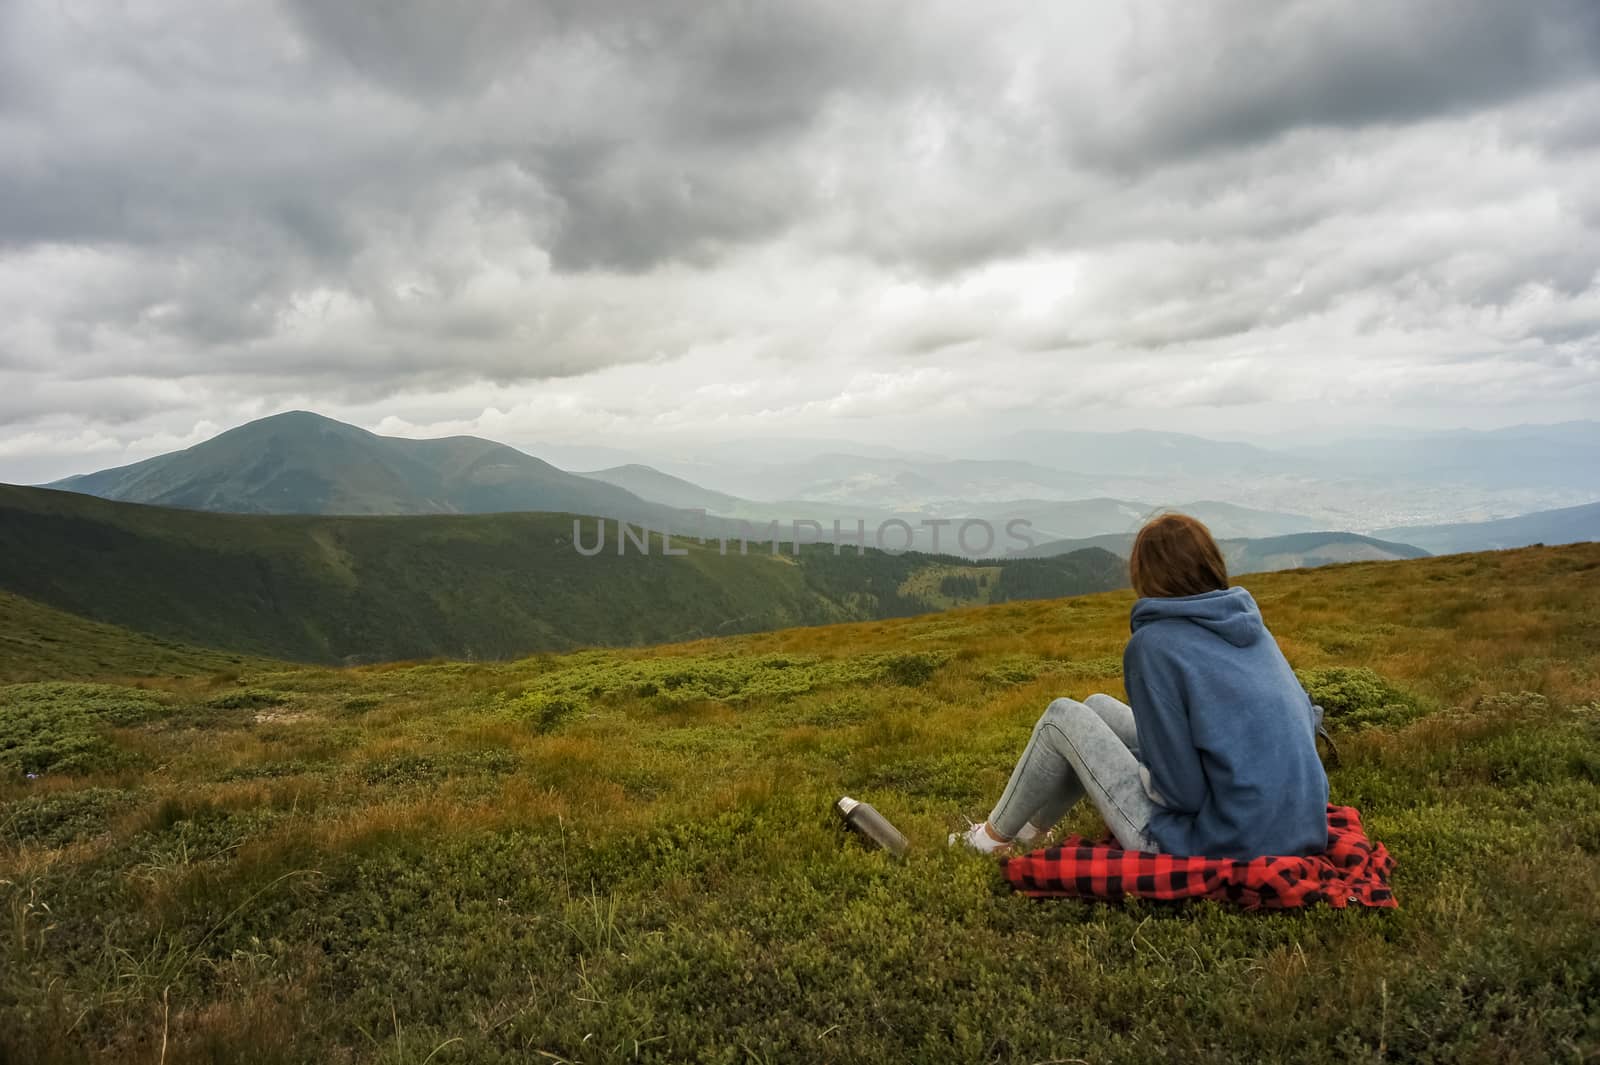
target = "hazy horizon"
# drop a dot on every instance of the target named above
(583, 456)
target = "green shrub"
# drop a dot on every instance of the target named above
(270, 770)
(60, 727)
(106, 703)
(57, 820)
(186, 830)
(247, 699)
(1355, 698)
(913, 668)
(1513, 704)
(1014, 669)
(426, 768)
(546, 712)
(728, 678)
(1103, 666)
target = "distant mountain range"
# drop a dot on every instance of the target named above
(302, 463)
(1356, 482)
(1295, 551)
(1047, 519)
(368, 588)
(1564, 455)
(1091, 517)
(1568, 525)
(1137, 452)
(658, 487)
(335, 544)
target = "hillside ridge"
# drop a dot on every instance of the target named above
(1262, 554)
(371, 588)
(300, 462)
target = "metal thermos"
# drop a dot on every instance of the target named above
(862, 818)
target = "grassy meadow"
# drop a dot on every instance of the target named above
(628, 855)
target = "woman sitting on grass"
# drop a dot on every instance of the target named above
(1216, 758)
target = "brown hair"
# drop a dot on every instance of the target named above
(1174, 555)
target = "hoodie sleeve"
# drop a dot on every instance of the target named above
(1162, 719)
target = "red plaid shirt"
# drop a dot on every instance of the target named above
(1354, 871)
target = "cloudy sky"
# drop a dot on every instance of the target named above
(622, 223)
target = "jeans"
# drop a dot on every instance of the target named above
(1089, 748)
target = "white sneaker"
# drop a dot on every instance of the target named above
(1029, 833)
(978, 839)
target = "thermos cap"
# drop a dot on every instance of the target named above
(846, 804)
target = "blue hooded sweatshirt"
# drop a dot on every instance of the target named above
(1225, 731)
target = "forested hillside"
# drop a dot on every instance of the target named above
(365, 589)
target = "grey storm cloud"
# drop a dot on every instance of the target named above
(1222, 76)
(248, 202)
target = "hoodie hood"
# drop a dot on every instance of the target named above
(1230, 613)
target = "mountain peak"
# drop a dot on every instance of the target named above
(299, 420)
(301, 462)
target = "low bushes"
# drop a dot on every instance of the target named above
(1355, 698)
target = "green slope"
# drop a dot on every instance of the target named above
(1306, 550)
(303, 463)
(629, 855)
(649, 483)
(38, 642)
(1569, 525)
(344, 589)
